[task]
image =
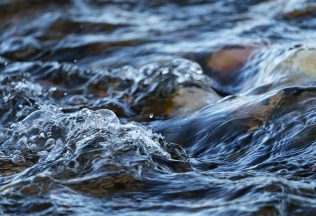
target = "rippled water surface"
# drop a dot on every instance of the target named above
(157, 107)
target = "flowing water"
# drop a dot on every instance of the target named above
(158, 107)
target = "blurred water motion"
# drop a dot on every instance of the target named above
(157, 107)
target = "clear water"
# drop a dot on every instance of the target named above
(157, 107)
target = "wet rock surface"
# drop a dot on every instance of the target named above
(157, 107)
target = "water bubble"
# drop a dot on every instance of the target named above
(16, 152)
(33, 147)
(18, 159)
(50, 142)
(21, 143)
(77, 100)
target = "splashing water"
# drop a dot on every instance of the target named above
(157, 107)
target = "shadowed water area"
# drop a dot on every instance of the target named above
(157, 107)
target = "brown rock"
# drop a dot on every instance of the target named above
(228, 60)
(224, 64)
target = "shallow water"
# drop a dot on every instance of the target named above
(157, 107)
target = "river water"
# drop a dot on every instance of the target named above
(158, 107)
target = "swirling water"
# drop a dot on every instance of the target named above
(157, 107)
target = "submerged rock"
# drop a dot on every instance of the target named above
(300, 10)
(225, 65)
(304, 61)
(254, 132)
(87, 151)
(296, 67)
(173, 89)
(163, 90)
(227, 61)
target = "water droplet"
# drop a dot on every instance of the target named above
(41, 135)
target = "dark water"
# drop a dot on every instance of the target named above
(157, 107)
